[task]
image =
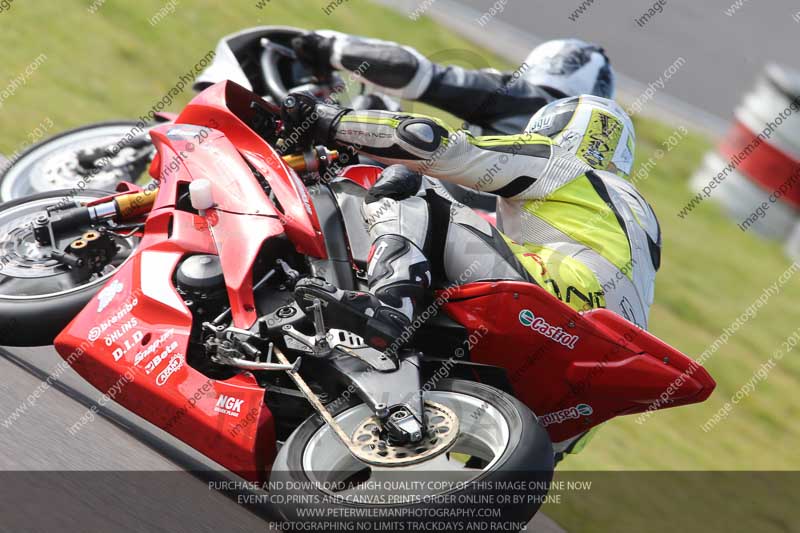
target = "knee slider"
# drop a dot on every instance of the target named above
(397, 182)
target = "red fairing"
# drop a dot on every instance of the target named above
(363, 175)
(131, 341)
(574, 370)
(223, 107)
(244, 217)
(132, 338)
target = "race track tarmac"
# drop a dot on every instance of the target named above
(117, 473)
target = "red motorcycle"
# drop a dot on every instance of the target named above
(196, 330)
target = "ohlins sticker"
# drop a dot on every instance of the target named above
(117, 334)
(540, 325)
(121, 313)
(571, 413)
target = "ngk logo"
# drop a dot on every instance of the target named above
(228, 405)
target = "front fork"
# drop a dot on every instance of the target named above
(93, 249)
(71, 218)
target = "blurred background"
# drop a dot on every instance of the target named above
(725, 295)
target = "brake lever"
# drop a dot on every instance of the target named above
(283, 50)
(264, 122)
(323, 76)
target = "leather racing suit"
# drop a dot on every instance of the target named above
(587, 236)
(486, 99)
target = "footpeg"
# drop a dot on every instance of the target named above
(228, 345)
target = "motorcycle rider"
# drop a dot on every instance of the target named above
(567, 218)
(488, 100)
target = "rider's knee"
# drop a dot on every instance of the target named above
(397, 182)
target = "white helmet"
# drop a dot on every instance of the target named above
(572, 67)
(595, 129)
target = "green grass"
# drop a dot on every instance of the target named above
(114, 65)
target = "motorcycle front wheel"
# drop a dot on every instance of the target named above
(39, 296)
(496, 472)
(54, 164)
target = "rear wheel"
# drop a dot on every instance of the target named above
(39, 295)
(495, 472)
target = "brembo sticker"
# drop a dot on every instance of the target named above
(174, 365)
(121, 313)
(540, 325)
(570, 413)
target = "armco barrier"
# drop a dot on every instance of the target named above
(761, 190)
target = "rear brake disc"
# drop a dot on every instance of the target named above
(372, 449)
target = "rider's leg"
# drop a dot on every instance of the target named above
(429, 236)
(398, 270)
(415, 238)
(359, 312)
(471, 248)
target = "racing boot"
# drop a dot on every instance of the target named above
(398, 276)
(359, 312)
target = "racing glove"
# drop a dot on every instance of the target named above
(307, 121)
(314, 50)
(398, 71)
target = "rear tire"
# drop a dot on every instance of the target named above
(527, 458)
